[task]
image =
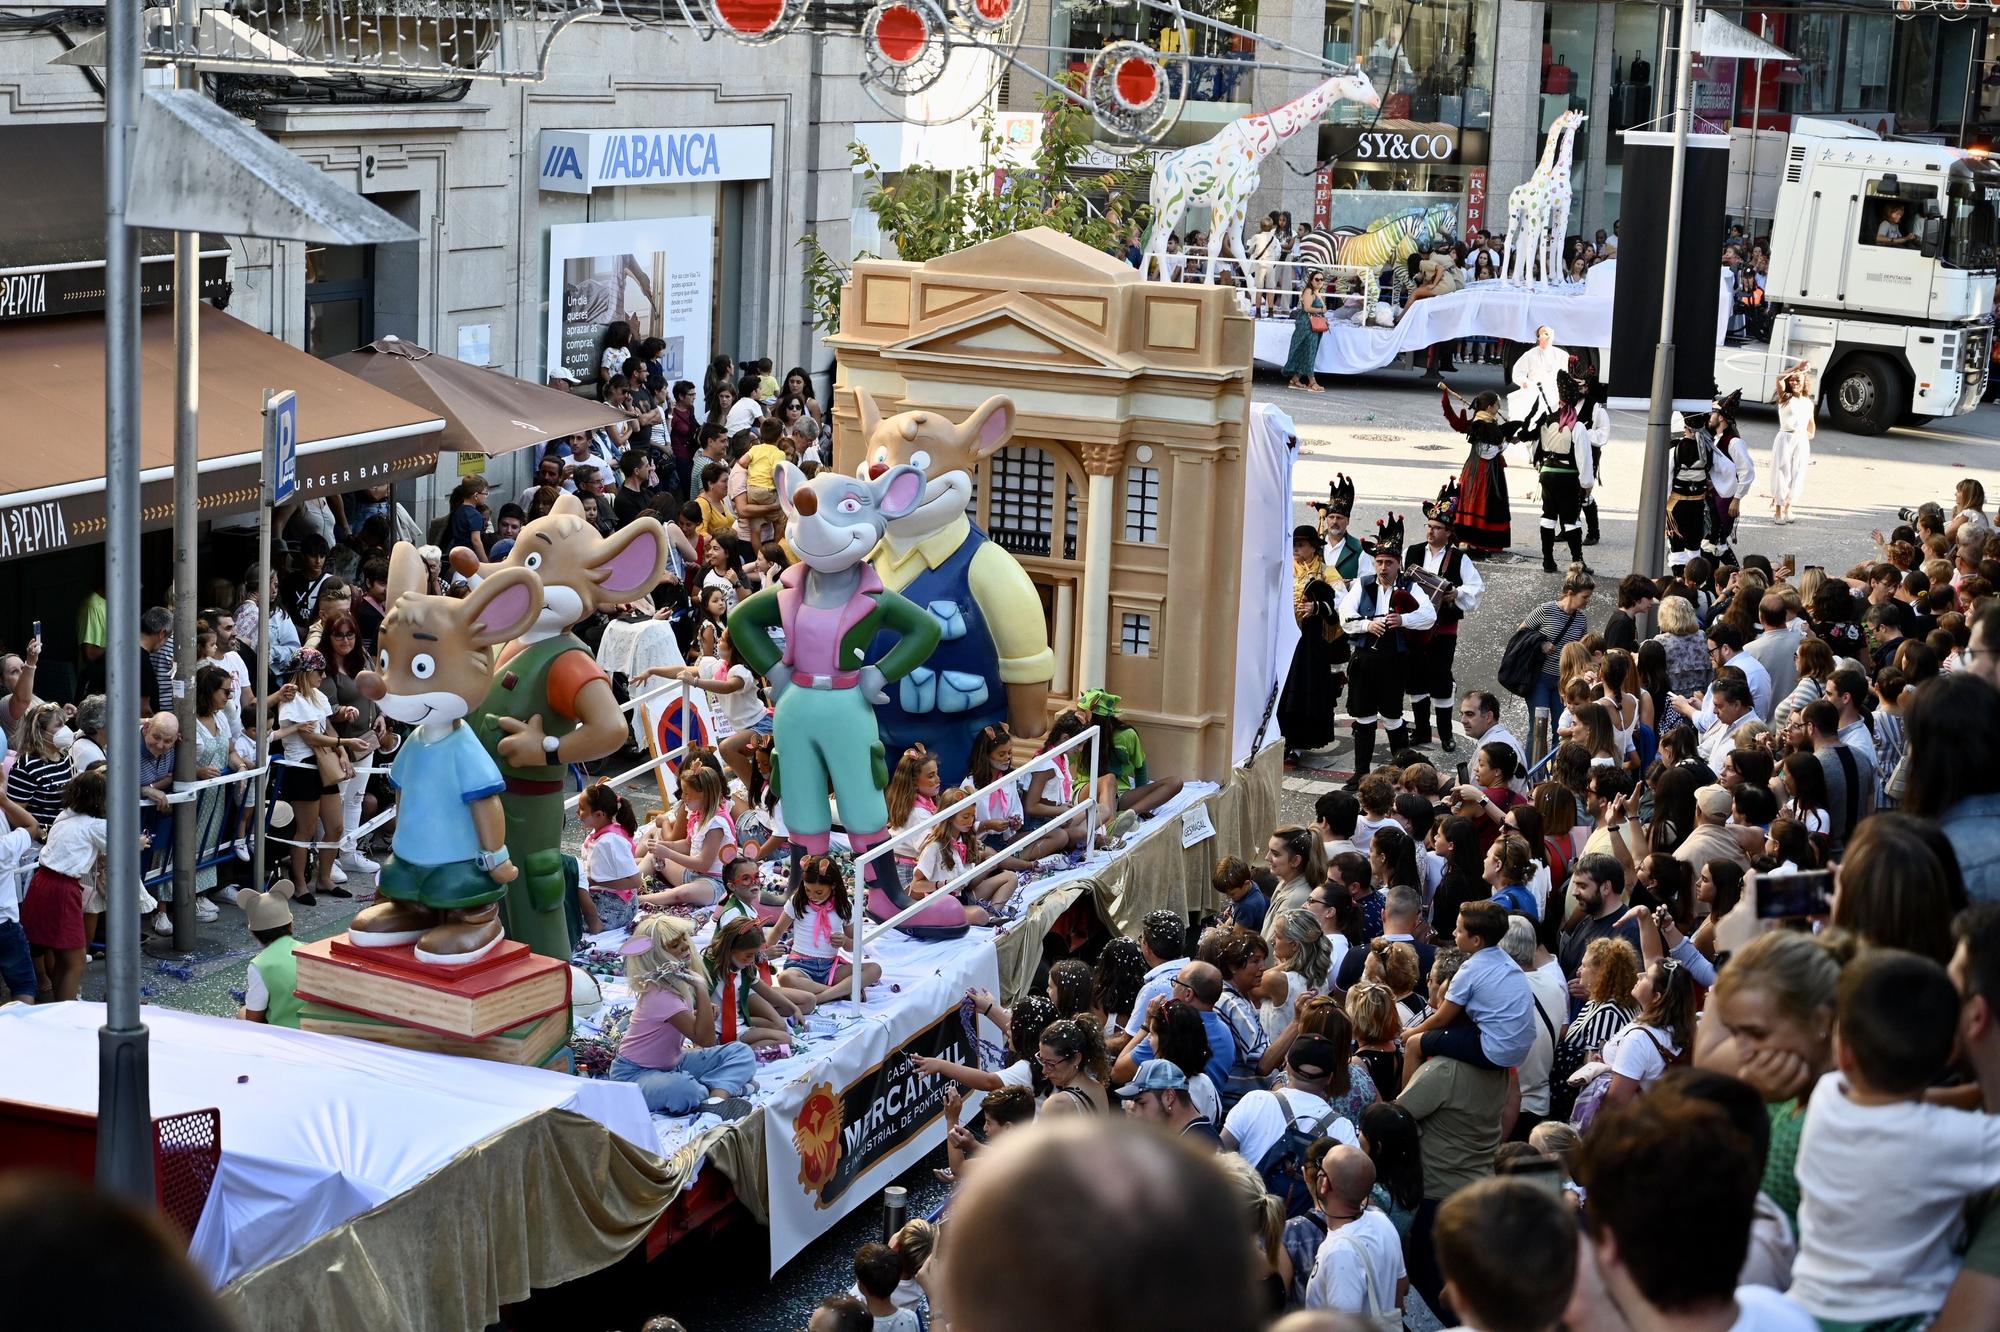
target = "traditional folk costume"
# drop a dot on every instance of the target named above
(1594, 425)
(1484, 521)
(1687, 500)
(1384, 664)
(1307, 707)
(1731, 473)
(1448, 564)
(1564, 464)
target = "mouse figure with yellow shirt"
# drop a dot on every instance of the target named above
(994, 663)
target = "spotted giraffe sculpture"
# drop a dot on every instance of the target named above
(1224, 172)
(1559, 197)
(1534, 227)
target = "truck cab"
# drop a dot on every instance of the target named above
(1881, 278)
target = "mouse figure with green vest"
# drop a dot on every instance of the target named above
(271, 989)
(551, 704)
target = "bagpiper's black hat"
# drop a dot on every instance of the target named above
(1445, 506)
(1389, 537)
(1340, 495)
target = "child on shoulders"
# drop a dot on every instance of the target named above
(1487, 1018)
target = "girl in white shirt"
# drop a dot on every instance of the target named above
(305, 726)
(817, 966)
(742, 716)
(1660, 1036)
(695, 862)
(949, 850)
(611, 878)
(57, 914)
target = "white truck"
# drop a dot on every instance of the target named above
(1881, 278)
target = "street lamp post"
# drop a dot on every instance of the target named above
(124, 1115)
(1649, 548)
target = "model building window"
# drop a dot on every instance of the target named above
(1022, 500)
(1142, 504)
(1135, 635)
(1069, 517)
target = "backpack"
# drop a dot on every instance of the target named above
(1283, 1164)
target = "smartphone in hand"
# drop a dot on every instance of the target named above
(1806, 895)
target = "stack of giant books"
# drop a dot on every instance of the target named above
(510, 1006)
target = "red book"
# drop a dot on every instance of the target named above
(507, 987)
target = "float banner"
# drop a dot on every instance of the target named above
(836, 1137)
(1642, 257)
(656, 274)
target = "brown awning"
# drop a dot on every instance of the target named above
(484, 411)
(351, 434)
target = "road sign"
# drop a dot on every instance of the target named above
(281, 446)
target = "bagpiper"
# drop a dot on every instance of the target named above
(1454, 586)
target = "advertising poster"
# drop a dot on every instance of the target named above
(836, 1138)
(655, 274)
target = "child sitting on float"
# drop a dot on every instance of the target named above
(611, 878)
(747, 1006)
(1122, 756)
(949, 848)
(816, 920)
(911, 798)
(1053, 785)
(1002, 814)
(670, 1048)
(695, 862)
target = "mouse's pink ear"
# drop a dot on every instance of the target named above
(899, 491)
(502, 607)
(990, 426)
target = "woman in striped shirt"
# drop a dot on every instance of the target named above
(41, 771)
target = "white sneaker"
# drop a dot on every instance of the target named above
(357, 862)
(205, 910)
(242, 849)
(162, 922)
(337, 875)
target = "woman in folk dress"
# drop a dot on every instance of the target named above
(1484, 521)
(1791, 451)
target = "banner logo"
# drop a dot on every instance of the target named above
(816, 1135)
(840, 1135)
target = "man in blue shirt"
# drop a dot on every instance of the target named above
(1200, 985)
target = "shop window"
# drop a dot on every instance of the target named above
(1864, 77)
(1142, 504)
(1135, 635)
(340, 298)
(1021, 503)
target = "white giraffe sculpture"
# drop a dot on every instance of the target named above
(1223, 172)
(1538, 210)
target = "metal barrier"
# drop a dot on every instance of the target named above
(863, 935)
(653, 765)
(157, 866)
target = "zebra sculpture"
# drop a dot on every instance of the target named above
(1224, 171)
(1363, 255)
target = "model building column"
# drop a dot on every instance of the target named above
(1100, 519)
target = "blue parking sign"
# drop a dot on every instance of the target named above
(281, 445)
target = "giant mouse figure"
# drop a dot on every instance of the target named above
(837, 619)
(994, 664)
(551, 703)
(442, 882)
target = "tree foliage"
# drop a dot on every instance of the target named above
(926, 211)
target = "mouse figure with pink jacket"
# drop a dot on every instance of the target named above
(994, 663)
(836, 617)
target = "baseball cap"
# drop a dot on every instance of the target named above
(561, 371)
(1312, 1057)
(1155, 1075)
(1714, 801)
